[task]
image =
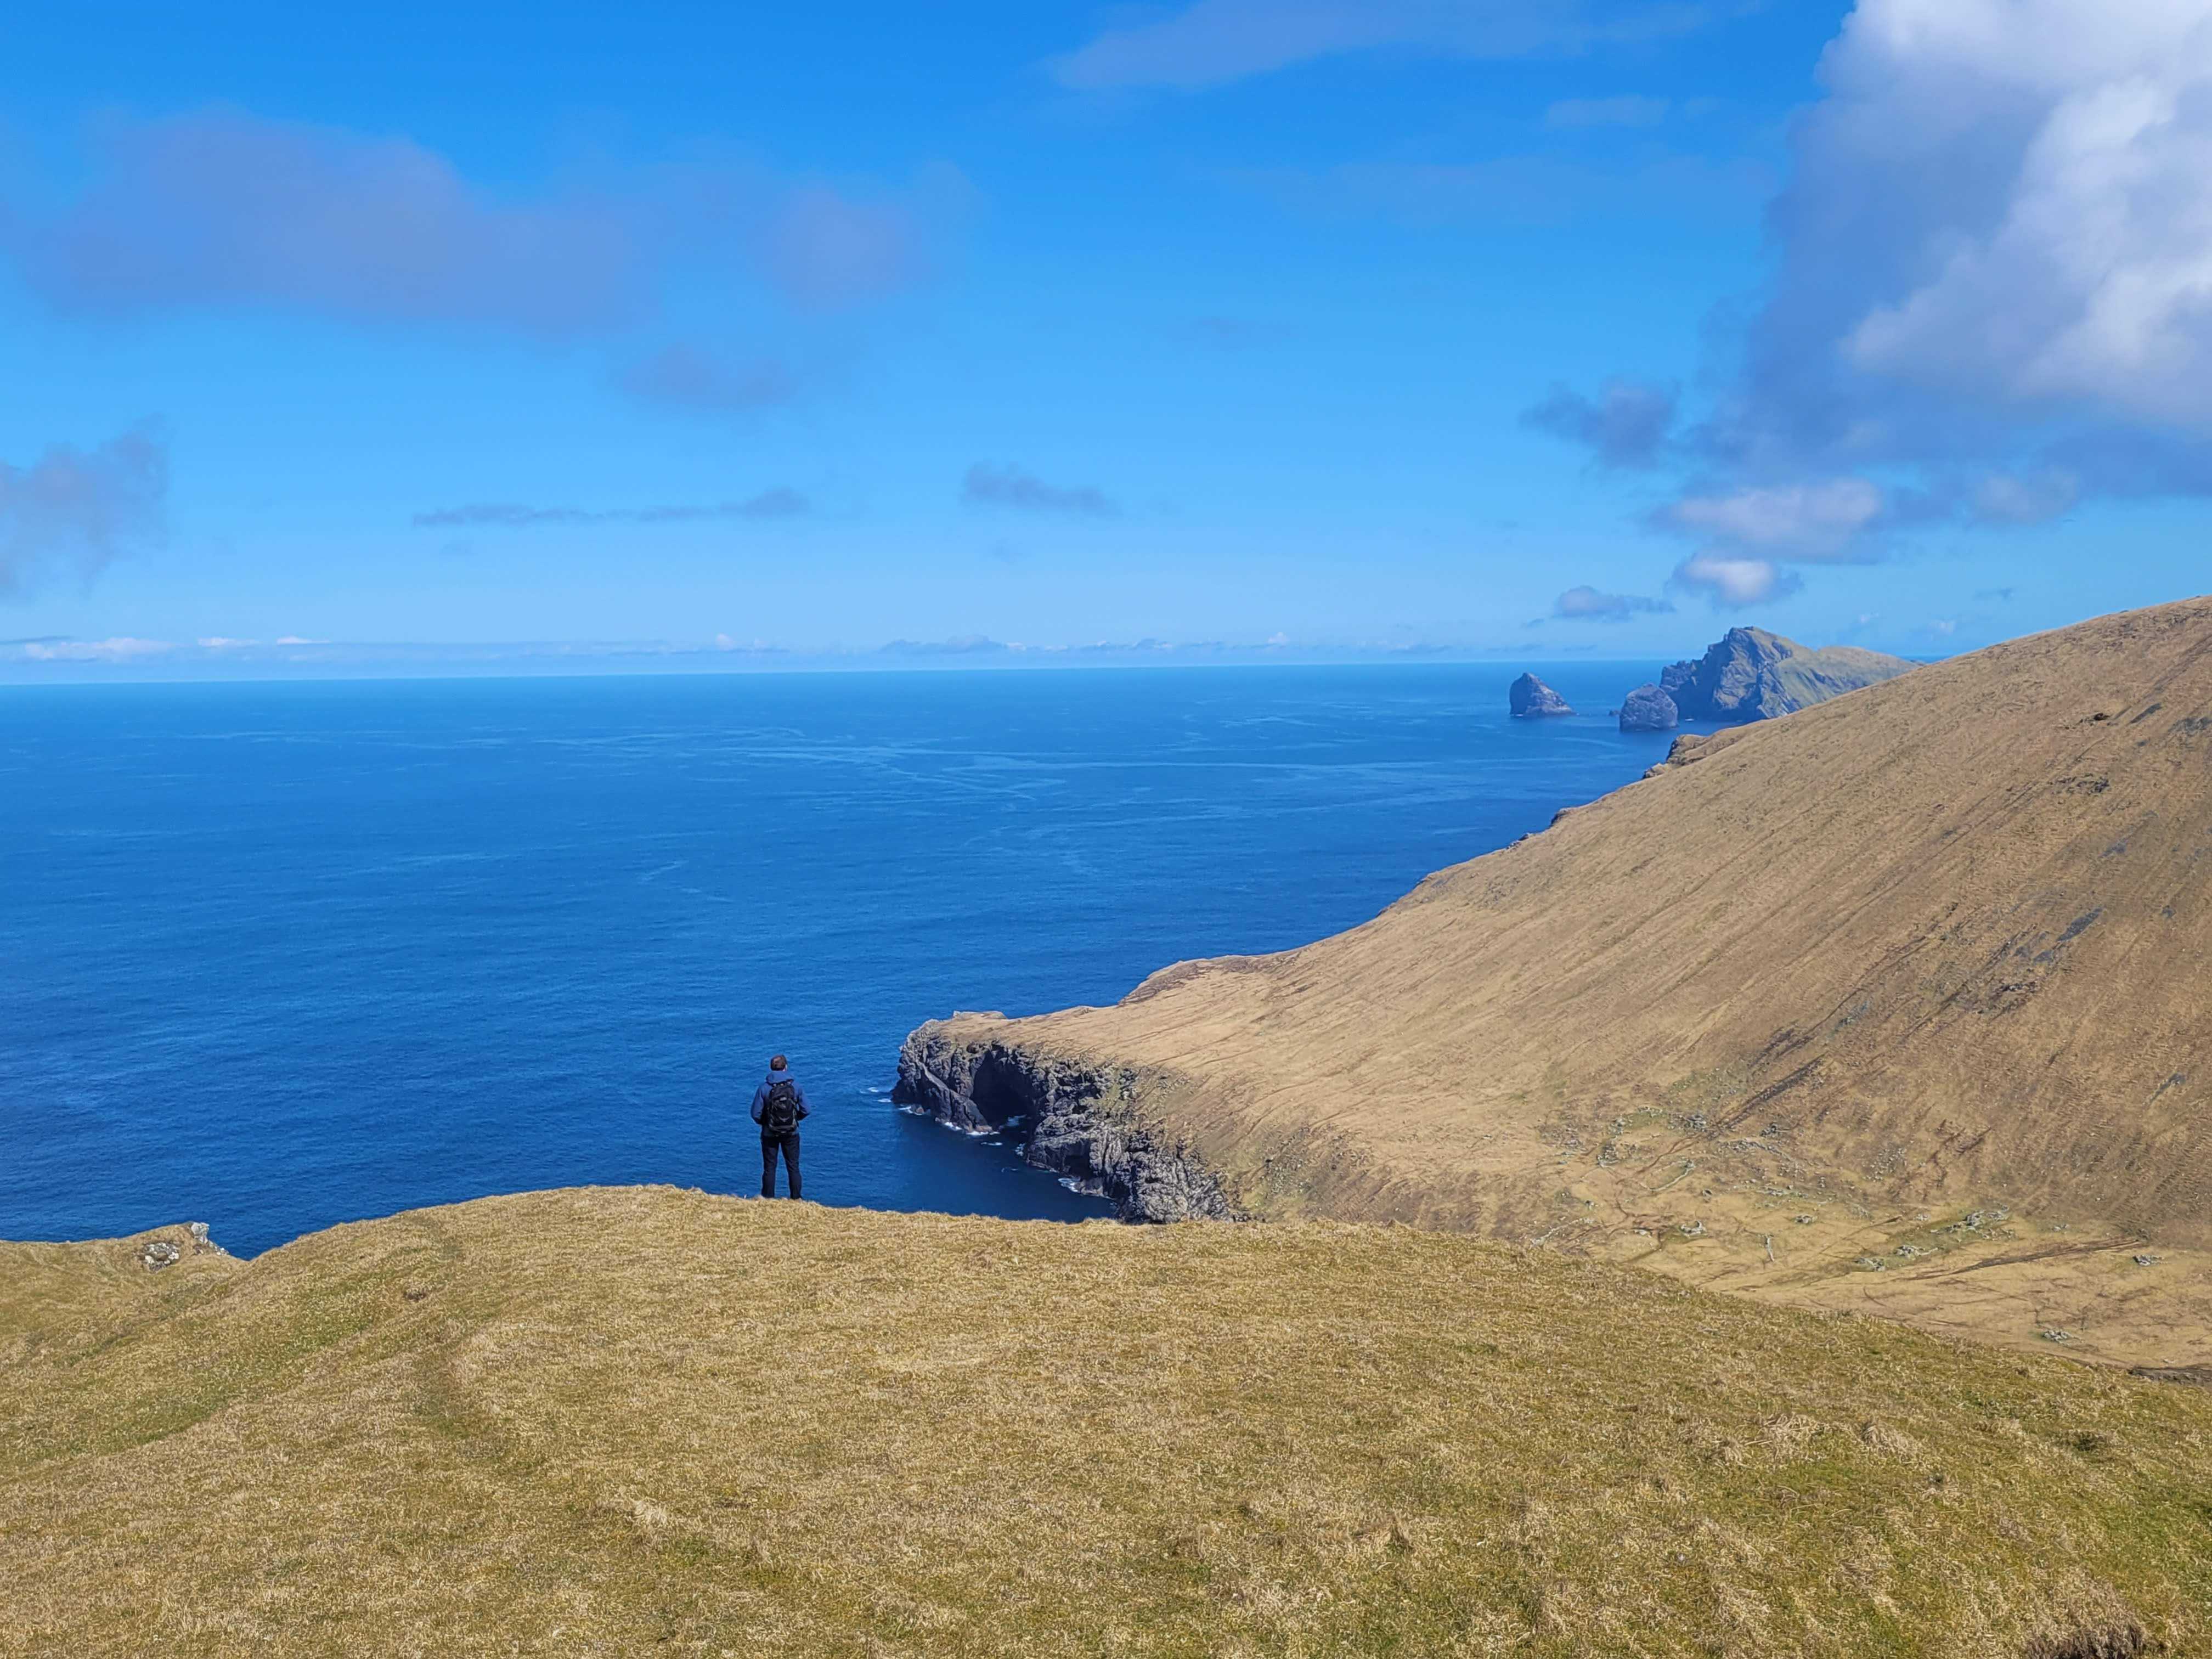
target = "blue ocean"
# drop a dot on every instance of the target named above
(283, 955)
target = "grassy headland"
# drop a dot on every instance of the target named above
(615, 1421)
(1897, 1003)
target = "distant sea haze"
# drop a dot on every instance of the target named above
(287, 954)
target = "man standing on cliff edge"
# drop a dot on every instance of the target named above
(778, 1104)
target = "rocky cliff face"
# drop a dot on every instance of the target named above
(1531, 699)
(1077, 1119)
(1749, 674)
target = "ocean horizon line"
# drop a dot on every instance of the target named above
(52, 662)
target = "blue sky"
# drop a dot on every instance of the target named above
(1493, 326)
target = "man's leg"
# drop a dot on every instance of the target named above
(768, 1167)
(791, 1161)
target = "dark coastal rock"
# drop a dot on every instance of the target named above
(1647, 709)
(1531, 699)
(2195, 1377)
(1749, 674)
(1080, 1120)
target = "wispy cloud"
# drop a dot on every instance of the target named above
(220, 208)
(1626, 424)
(691, 377)
(1587, 604)
(1216, 41)
(824, 249)
(121, 649)
(77, 510)
(1010, 486)
(778, 503)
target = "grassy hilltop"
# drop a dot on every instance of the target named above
(618, 1421)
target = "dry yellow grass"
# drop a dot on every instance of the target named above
(640, 1420)
(1934, 949)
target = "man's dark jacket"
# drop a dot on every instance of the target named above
(760, 1095)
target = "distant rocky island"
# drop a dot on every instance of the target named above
(1531, 699)
(1749, 674)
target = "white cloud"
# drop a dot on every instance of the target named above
(1734, 583)
(2078, 266)
(1992, 288)
(1997, 243)
(217, 642)
(1813, 522)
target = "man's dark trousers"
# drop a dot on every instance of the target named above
(789, 1144)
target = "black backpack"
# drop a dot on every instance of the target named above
(779, 1111)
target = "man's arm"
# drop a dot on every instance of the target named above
(760, 1099)
(801, 1093)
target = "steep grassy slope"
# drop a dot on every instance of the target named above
(1902, 1000)
(623, 1421)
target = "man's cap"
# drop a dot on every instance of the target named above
(778, 1064)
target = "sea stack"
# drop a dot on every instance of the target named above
(1647, 709)
(1531, 699)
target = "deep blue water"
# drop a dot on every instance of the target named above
(277, 955)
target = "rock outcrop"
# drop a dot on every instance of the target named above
(1749, 674)
(1077, 1120)
(1649, 709)
(1531, 699)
